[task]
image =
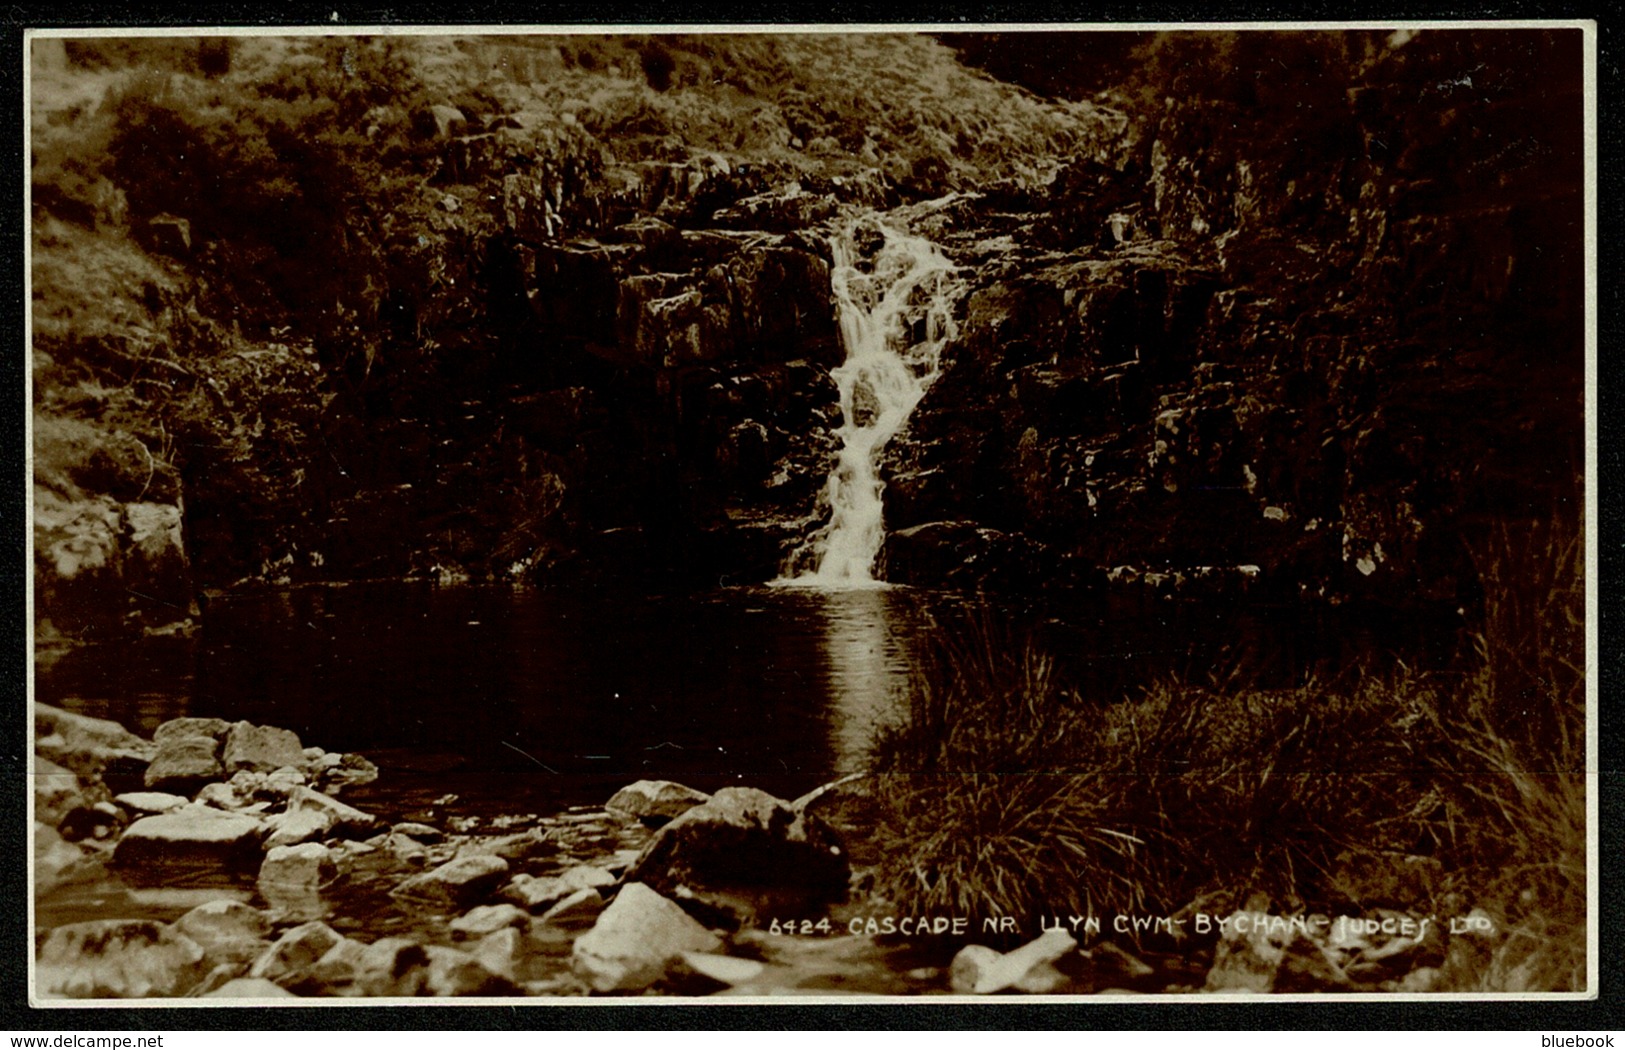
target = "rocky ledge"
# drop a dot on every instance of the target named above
(665, 890)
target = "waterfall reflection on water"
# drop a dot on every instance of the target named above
(867, 644)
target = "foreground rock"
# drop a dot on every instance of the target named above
(117, 958)
(980, 970)
(249, 988)
(230, 932)
(295, 953)
(636, 939)
(744, 841)
(191, 836)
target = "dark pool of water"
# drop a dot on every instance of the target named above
(530, 701)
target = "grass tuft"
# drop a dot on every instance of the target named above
(1002, 790)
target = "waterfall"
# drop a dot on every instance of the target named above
(894, 296)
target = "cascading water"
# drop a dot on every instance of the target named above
(894, 296)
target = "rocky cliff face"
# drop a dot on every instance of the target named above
(412, 316)
(1322, 326)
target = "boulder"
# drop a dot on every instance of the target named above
(184, 763)
(117, 958)
(294, 953)
(261, 749)
(214, 728)
(636, 939)
(229, 932)
(154, 559)
(536, 893)
(57, 791)
(454, 973)
(58, 862)
(456, 882)
(577, 909)
(504, 952)
(308, 865)
(87, 746)
(348, 822)
(148, 803)
(745, 841)
(655, 802)
(391, 966)
(249, 988)
(295, 826)
(344, 771)
(486, 919)
(335, 972)
(191, 835)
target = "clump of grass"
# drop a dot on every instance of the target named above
(1001, 790)
(1006, 792)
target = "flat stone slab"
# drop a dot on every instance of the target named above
(191, 835)
(147, 803)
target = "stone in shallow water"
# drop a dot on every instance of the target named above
(296, 826)
(488, 918)
(307, 865)
(460, 881)
(261, 749)
(420, 832)
(348, 822)
(542, 893)
(525, 845)
(117, 958)
(192, 835)
(576, 910)
(636, 939)
(655, 802)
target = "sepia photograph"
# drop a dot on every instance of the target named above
(544, 516)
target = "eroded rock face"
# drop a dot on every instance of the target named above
(746, 841)
(117, 958)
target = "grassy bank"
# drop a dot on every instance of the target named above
(1004, 791)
